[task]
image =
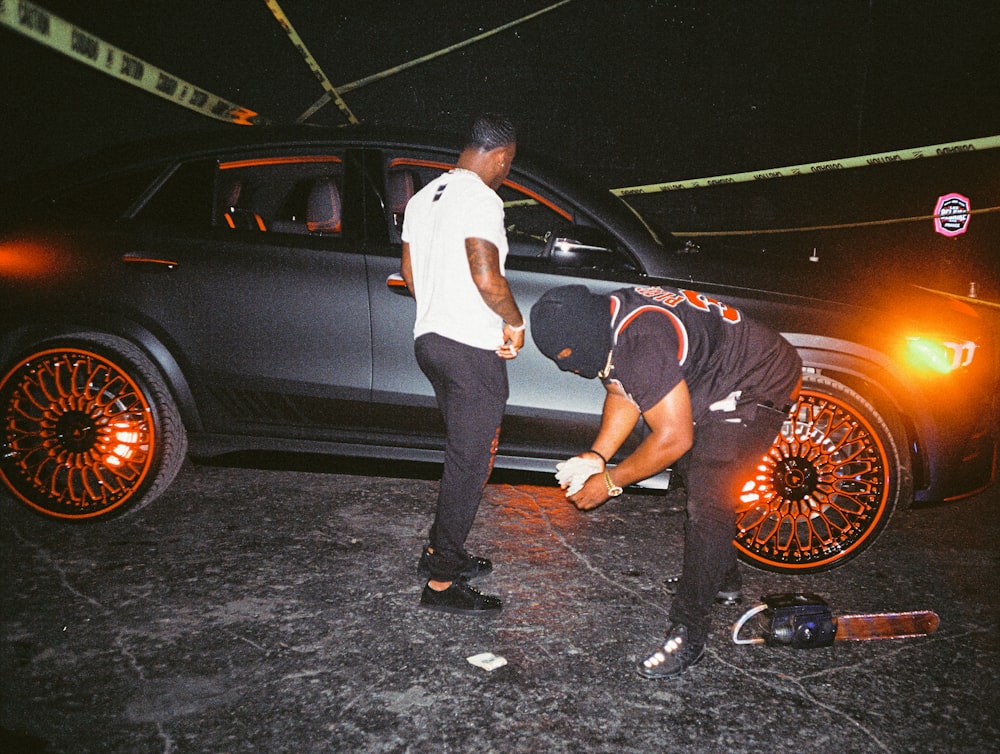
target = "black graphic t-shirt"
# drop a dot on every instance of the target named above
(664, 335)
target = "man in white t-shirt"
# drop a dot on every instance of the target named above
(467, 327)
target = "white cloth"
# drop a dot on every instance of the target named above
(438, 219)
(572, 474)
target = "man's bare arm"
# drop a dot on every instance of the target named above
(671, 436)
(618, 419)
(484, 264)
(406, 268)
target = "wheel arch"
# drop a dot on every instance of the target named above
(875, 377)
(26, 336)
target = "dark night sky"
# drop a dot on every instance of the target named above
(630, 90)
(626, 91)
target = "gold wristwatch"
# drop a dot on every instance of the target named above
(613, 489)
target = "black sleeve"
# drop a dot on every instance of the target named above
(646, 359)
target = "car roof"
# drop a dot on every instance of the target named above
(548, 173)
(191, 144)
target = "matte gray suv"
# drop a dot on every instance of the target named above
(240, 290)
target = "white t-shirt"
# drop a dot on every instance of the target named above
(438, 219)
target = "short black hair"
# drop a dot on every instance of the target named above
(490, 131)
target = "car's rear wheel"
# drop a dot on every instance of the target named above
(90, 430)
(827, 487)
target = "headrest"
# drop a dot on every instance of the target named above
(323, 208)
(400, 190)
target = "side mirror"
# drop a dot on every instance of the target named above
(585, 248)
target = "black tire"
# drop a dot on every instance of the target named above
(829, 485)
(90, 430)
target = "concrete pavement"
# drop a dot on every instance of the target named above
(257, 610)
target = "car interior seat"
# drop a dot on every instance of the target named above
(399, 190)
(323, 210)
(237, 216)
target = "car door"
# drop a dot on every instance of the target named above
(263, 294)
(550, 413)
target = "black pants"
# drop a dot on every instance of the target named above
(471, 388)
(727, 447)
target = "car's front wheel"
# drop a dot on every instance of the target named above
(90, 430)
(827, 487)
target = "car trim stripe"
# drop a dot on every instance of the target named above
(292, 160)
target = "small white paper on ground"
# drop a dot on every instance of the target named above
(487, 661)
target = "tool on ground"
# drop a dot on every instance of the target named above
(804, 621)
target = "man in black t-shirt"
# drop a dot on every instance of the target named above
(714, 389)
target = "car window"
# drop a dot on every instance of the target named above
(293, 194)
(548, 234)
(183, 198)
(104, 199)
(544, 232)
(532, 219)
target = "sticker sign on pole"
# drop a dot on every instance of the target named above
(952, 214)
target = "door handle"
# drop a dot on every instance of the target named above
(397, 285)
(137, 258)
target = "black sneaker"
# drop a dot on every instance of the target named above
(460, 598)
(675, 656)
(474, 568)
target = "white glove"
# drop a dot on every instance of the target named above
(572, 474)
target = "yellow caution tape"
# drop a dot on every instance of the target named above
(331, 92)
(344, 88)
(841, 226)
(36, 23)
(937, 150)
(883, 158)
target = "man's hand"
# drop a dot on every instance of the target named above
(513, 342)
(593, 494)
(572, 474)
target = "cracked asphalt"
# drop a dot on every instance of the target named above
(275, 610)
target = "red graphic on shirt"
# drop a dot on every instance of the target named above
(699, 301)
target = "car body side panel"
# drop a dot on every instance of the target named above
(547, 408)
(290, 317)
(298, 341)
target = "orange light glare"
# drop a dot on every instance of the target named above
(941, 356)
(24, 261)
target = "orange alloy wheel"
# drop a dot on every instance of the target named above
(825, 489)
(80, 437)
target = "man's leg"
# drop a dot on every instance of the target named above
(721, 460)
(471, 389)
(708, 556)
(723, 455)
